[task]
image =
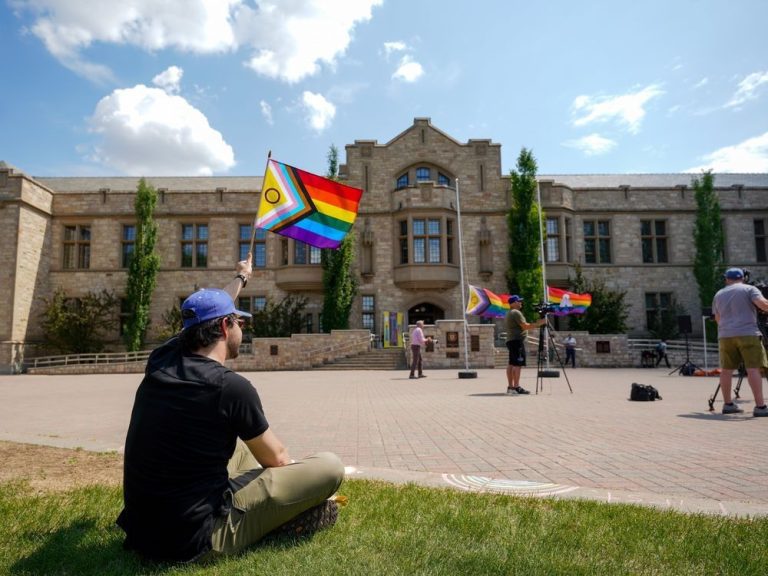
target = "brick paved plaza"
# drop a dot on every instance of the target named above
(443, 430)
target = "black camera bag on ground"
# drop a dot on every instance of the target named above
(643, 393)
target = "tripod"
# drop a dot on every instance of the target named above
(742, 372)
(545, 331)
(687, 368)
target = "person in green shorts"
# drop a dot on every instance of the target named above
(735, 310)
(204, 473)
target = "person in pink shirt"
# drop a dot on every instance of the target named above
(417, 341)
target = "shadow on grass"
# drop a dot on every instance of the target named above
(82, 548)
(85, 549)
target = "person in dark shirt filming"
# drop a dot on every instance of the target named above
(204, 474)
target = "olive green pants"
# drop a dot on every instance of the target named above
(264, 498)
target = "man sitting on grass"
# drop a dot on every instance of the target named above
(204, 474)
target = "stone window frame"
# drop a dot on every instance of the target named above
(600, 240)
(761, 239)
(245, 231)
(368, 318)
(127, 244)
(654, 240)
(76, 246)
(305, 254)
(408, 236)
(197, 242)
(552, 242)
(656, 303)
(423, 174)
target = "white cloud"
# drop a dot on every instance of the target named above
(408, 70)
(290, 38)
(319, 111)
(146, 131)
(701, 83)
(169, 80)
(748, 156)
(390, 47)
(293, 38)
(266, 111)
(626, 109)
(747, 89)
(592, 145)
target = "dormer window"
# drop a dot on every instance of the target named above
(402, 181)
(443, 180)
(422, 174)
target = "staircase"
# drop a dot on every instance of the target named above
(376, 359)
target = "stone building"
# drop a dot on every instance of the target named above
(634, 230)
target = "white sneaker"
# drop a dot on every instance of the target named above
(511, 392)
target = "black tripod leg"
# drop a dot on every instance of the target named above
(713, 397)
(560, 360)
(540, 361)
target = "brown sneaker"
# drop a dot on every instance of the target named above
(324, 515)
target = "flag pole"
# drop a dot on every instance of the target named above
(466, 373)
(548, 372)
(253, 228)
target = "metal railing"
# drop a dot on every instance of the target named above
(91, 358)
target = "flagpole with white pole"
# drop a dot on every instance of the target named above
(544, 280)
(466, 373)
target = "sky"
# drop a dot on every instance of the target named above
(209, 87)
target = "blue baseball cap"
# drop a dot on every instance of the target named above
(514, 298)
(207, 304)
(734, 274)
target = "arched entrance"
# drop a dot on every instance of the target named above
(428, 313)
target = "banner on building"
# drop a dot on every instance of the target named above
(392, 327)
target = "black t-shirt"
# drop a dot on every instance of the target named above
(187, 416)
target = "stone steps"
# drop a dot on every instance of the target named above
(376, 359)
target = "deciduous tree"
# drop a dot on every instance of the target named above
(79, 325)
(608, 312)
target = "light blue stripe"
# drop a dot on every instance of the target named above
(321, 229)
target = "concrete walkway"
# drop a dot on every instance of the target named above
(446, 431)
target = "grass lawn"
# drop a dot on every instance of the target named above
(388, 529)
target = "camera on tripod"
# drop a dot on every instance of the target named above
(543, 308)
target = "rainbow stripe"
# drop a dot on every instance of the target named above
(306, 207)
(483, 302)
(568, 302)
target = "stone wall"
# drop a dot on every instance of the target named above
(447, 349)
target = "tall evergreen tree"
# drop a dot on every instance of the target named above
(524, 276)
(143, 267)
(339, 283)
(708, 237)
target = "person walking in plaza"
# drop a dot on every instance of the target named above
(661, 353)
(570, 350)
(735, 310)
(204, 473)
(418, 340)
(517, 332)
